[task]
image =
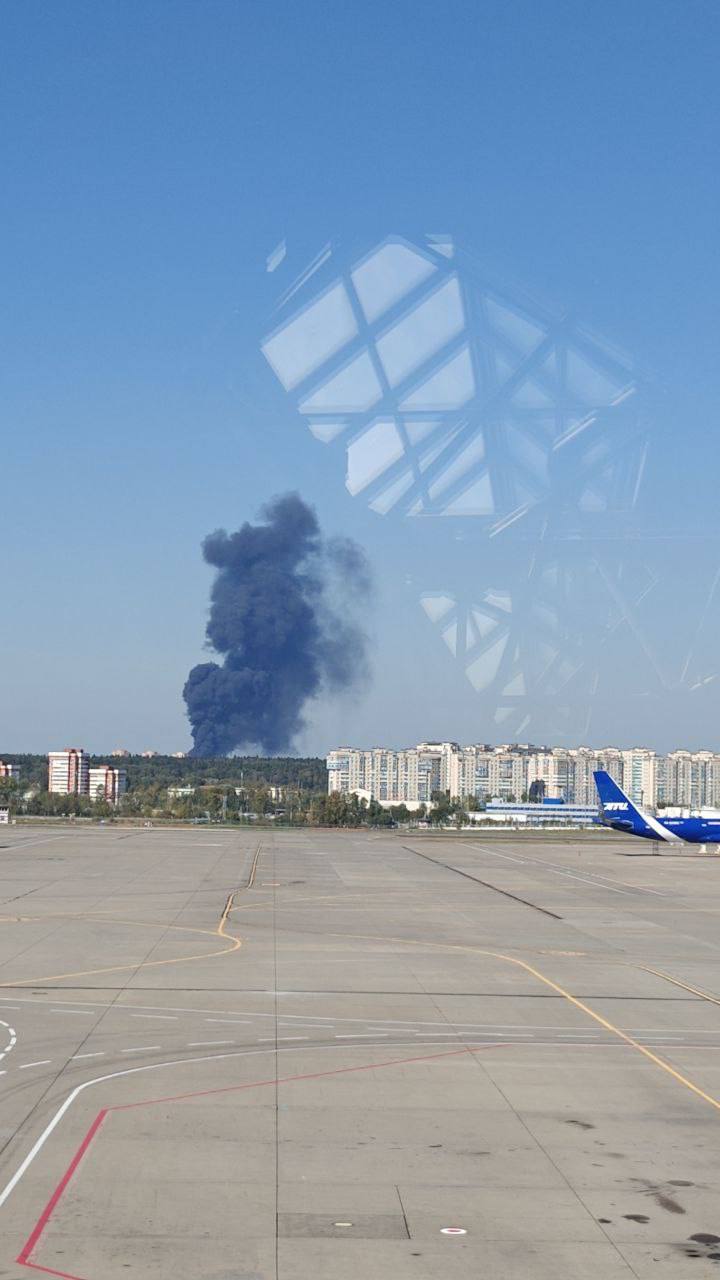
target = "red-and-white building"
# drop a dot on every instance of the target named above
(69, 772)
(107, 783)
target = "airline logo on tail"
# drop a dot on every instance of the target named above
(617, 810)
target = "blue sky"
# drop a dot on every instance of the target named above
(154, 154)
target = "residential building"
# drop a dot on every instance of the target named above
(392, 777)
(11, 771)
(107, 783)
(638, 775)
(69, 772)
(517, 770)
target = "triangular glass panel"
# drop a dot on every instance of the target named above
(311, 337)
(449, 635)
(475, 501)
(327, 431)
(353, 390)
(483, 670)
(371, 454)
(589, 384)
(422, 333)
(450, 387)
(419, 429)
(386, 500)
(387, 275)
(521, 332)
(436, 606)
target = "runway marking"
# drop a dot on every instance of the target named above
(157, 1066)
(220, 931)
(232, 1022)
(45, 1063)
(560, 871)
(253, 869)
(142, 1048)
(362, 1035)
(23, 1257)
(12, 1040)
(162, 1017)
(33, 1240)
(77, 1056)
(676, 982)
(554, 986)
(205, 1044)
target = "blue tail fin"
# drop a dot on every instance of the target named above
(616, 807)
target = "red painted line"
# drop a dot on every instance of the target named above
(312, 1075)
(24, 1256)
(50, 1271)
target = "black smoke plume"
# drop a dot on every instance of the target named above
(283, 616)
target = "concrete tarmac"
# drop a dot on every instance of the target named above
(332, 1055)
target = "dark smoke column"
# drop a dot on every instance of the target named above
(281, 614)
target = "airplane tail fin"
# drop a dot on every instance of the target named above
(616, 807)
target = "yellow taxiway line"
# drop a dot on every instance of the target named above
(554, 986)
(676, 982)
(220, 931)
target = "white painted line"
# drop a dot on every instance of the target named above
(359, 1035)
(293, 1037)
(304, 1018)
(77, 1056)
(142, 1048)
(163, 1017)
(232, 1022)
(202, 1044)
(129, 1071)
(84, 1013)
(597, 882)
(266, 1040)
(44, 1063)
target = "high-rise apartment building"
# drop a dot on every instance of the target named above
(638, 776)
(107, 783)
(392, 777)
(9, 770)
(68, 772)
(689, 779)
